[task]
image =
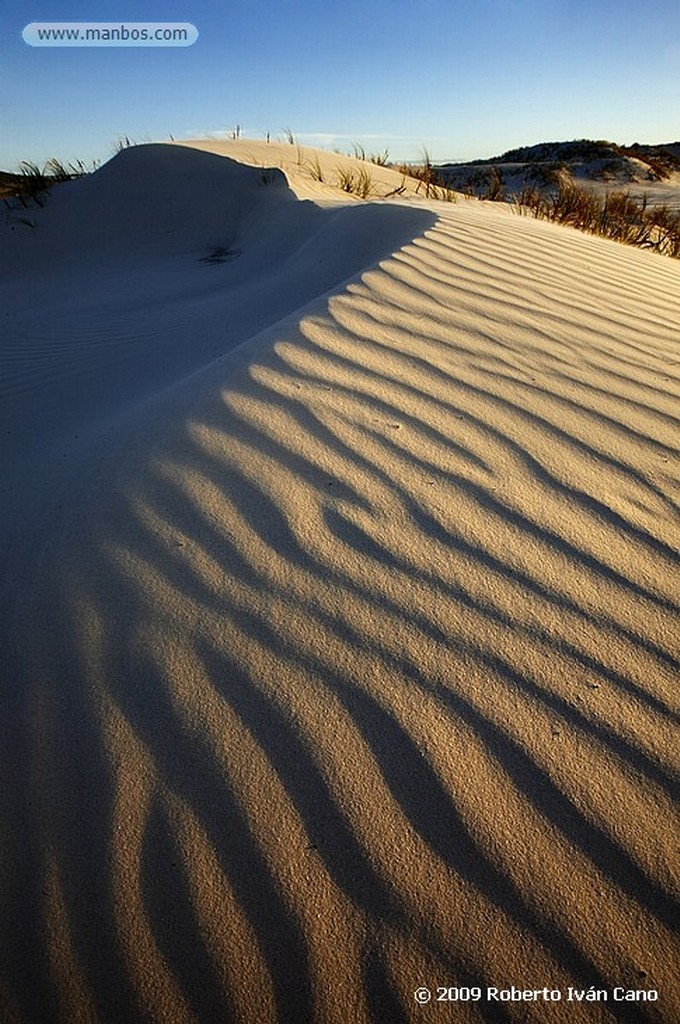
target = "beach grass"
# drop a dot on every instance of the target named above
(618, 215)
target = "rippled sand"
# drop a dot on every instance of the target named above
(345, 665)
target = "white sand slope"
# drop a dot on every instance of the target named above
(339, 617)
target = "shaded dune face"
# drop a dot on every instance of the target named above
(161, 262)
(355, 664)
(152, 199)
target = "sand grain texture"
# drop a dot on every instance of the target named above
(340, 658)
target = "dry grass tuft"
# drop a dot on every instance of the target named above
(32, 183)
(315, 169)
(358, 183)
(435, 186)
(381, 159)
(617, 215)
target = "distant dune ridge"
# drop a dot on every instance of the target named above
(599, 158)
(338, 624)
(653, 171)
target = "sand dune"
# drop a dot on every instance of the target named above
(339, 646)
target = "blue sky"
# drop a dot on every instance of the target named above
(464, 80)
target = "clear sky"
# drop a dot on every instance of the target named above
(464, 79)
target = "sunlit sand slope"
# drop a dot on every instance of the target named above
(348, 667)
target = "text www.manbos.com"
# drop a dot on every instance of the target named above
(101, 33)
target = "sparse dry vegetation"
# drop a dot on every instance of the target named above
(381, 159)
(495, 191)
(32, 183)
(399, 190)
(617, 215)
(608, 158)
(123, 142)
(433, 184)
(315, 169)
(357, 182)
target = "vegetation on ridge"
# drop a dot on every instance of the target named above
(617, 215)
(595, 159)
(32, 183)
(548, 193)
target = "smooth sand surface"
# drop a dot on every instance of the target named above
(339, 614)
